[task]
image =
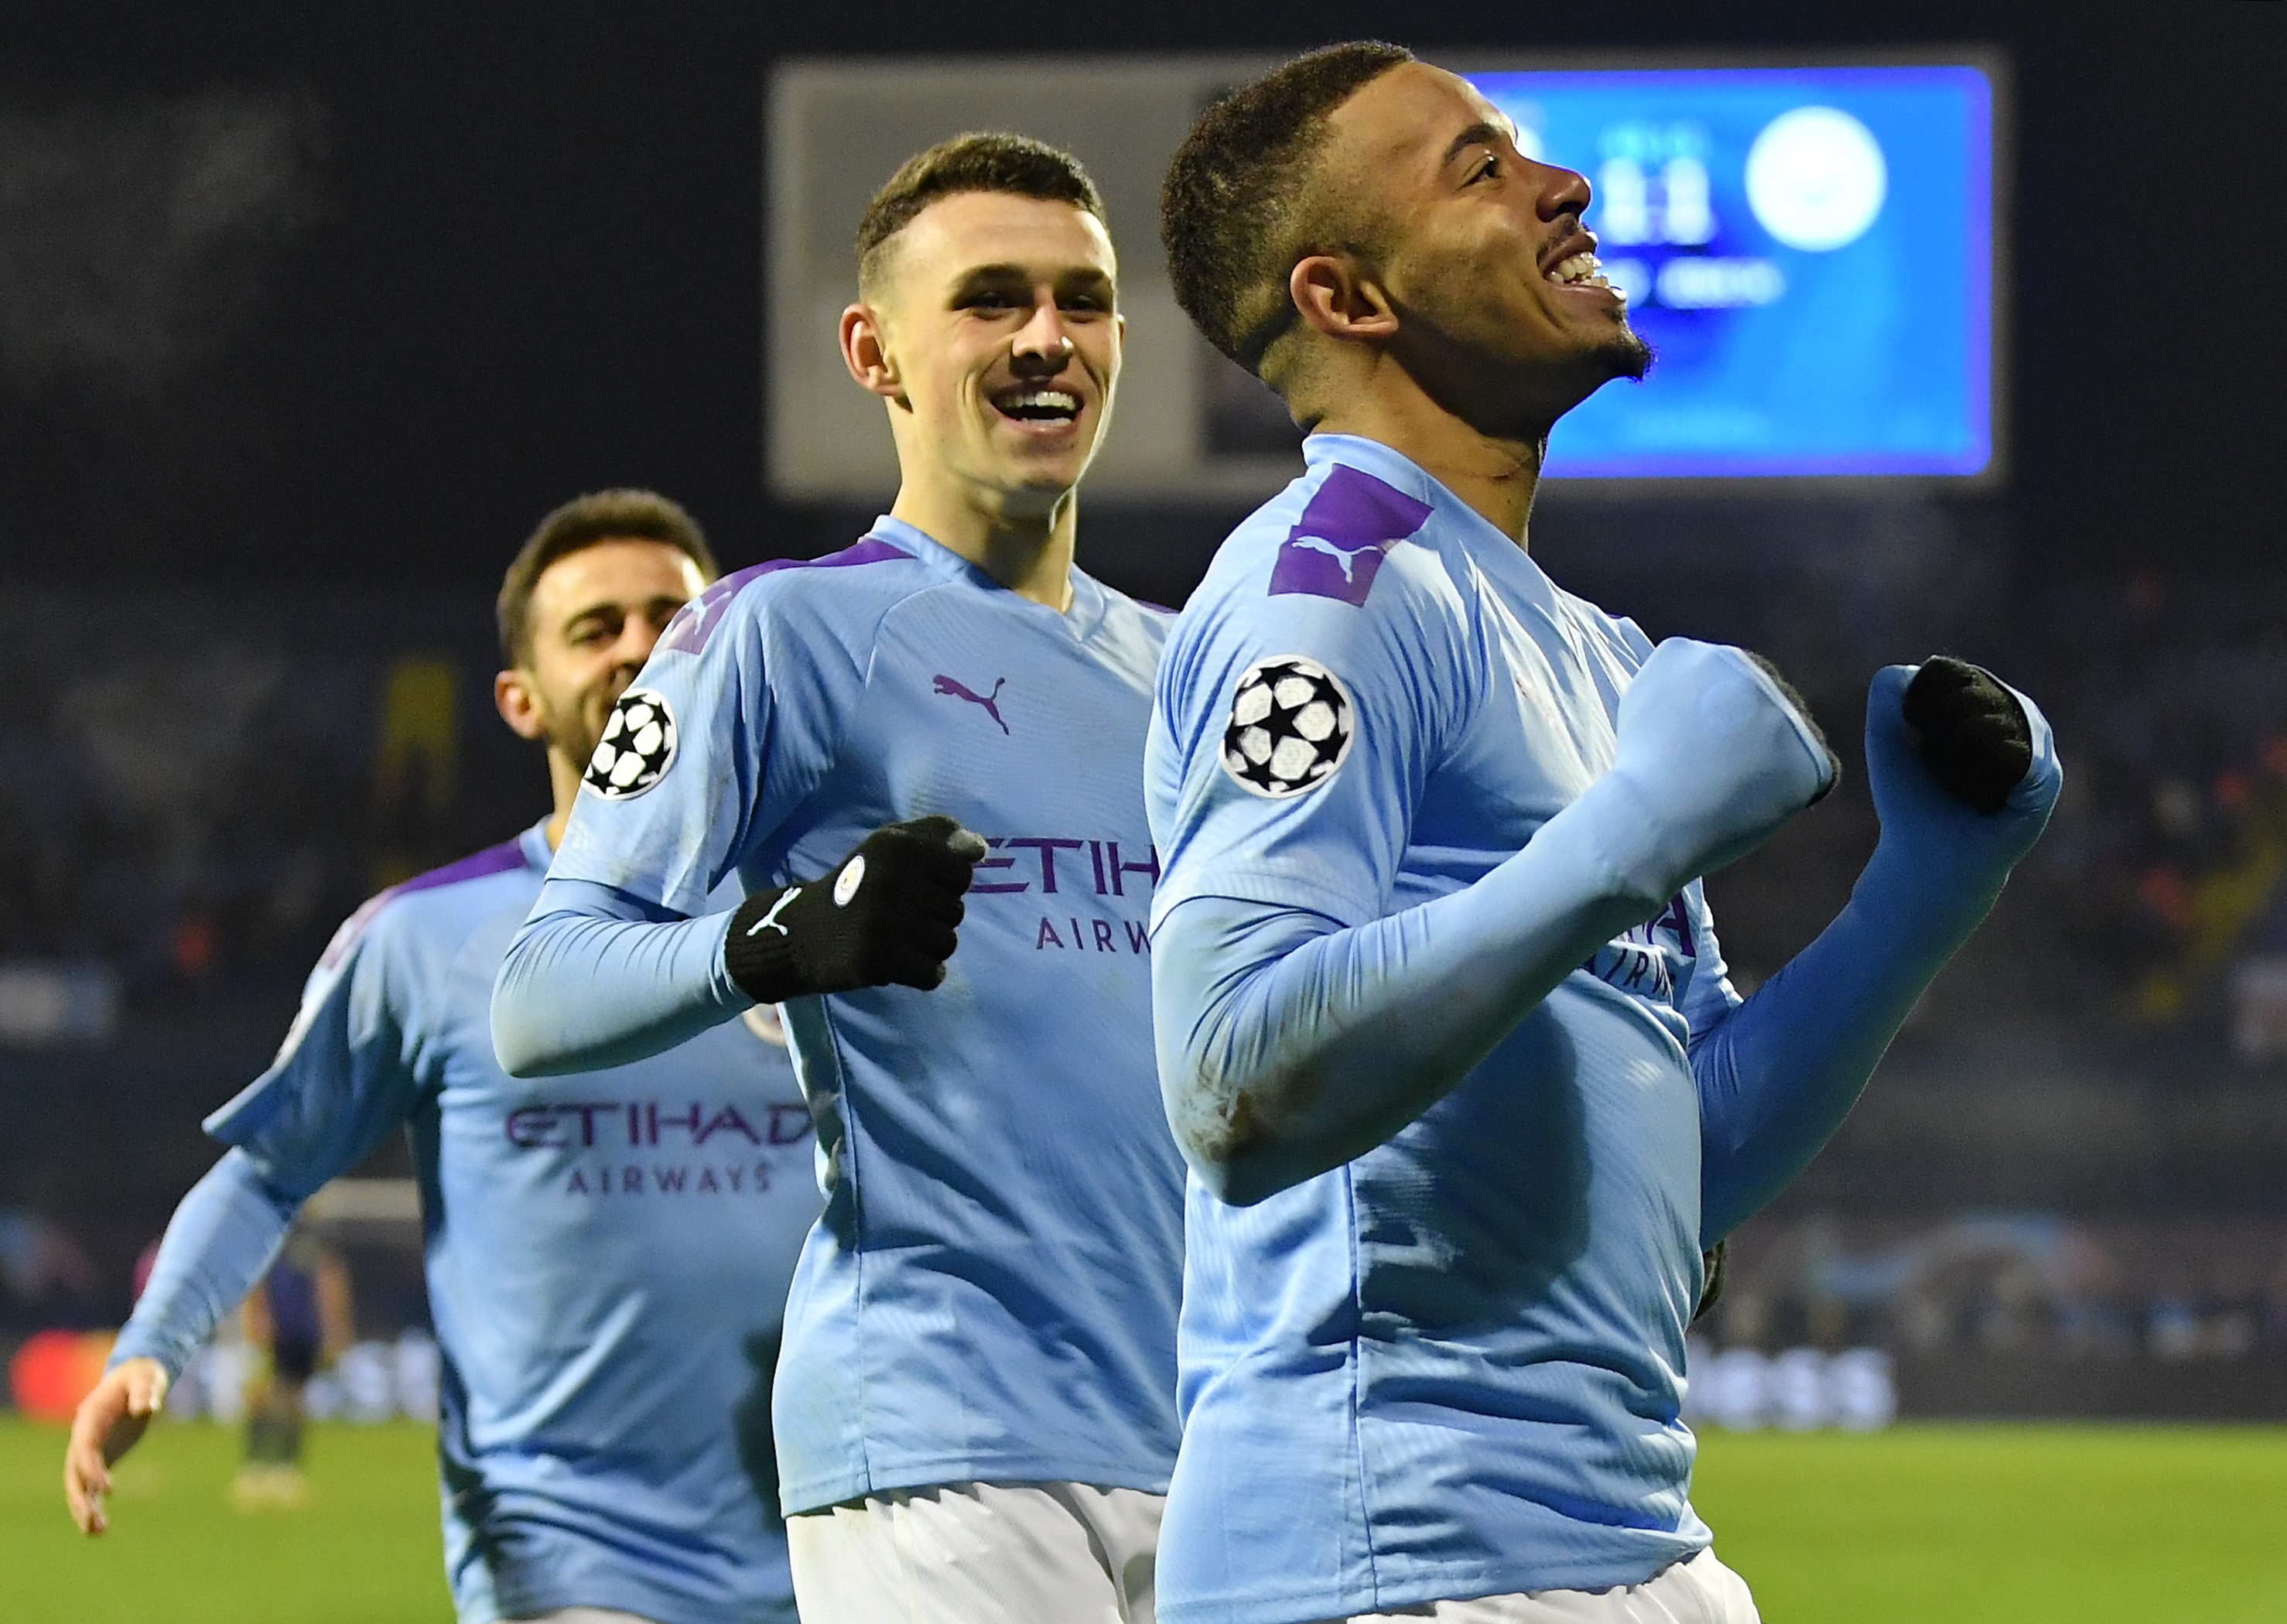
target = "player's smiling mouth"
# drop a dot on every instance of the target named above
(1576, 265)
(1036, 404)
(1581, 270)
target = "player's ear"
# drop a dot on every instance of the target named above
(1336, 299)
(517, 704)
(866, 351)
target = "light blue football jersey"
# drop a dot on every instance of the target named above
(992, 1293)
(1454, 1366)
(607, 1258)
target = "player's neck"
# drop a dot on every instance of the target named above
(1496, 475)
(1030, 554)
(564, 785)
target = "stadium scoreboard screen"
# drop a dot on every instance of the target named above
(1810, 249)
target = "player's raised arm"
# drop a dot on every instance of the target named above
(620, 959)
(1964, 773)
(1290, 1043)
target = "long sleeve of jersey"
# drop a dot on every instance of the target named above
(622, 955)
(344, 1080)
(220, 1242)
(1777, 1075)
(1382, 1018)
(1289, 1043)
(667, 978)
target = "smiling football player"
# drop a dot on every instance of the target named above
(976, 1404)
(1445, 1029)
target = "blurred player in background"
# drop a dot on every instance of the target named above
(976, 1410)
(1444, 1028)
(299, 1319)
(607, 1254)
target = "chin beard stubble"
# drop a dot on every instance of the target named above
(1630, 356)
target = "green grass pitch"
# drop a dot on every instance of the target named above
(1932, 1524)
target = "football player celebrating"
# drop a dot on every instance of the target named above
(976, 1405)
(1445, 1030)
(607, 1256)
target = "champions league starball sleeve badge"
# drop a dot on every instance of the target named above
(1292, 723)
(637, 749)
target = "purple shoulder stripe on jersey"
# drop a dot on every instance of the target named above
(1336, 549)
(493, 859)
(695, 621)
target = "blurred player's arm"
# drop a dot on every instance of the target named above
(224, 1237)
(1289, 1043)
(1964, 773)
(342, 1082)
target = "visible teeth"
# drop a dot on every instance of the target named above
(1579, 267)
(1041, 400)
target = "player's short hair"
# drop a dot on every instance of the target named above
(980, 161)
(1238, 208)
(600, 515)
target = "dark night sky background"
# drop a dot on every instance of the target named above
(528, 261)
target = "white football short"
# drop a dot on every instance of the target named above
(1698, 1590)
(979, 1553)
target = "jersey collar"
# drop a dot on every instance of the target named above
(1081, 620)
(534, 844)
(1498, 555)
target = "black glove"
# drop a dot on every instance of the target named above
(1711, 1264)
(885, 918)
(1971, 732)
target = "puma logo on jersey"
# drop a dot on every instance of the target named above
(769, 921)
(1347, 557)
(1340, 539)
(953, 687)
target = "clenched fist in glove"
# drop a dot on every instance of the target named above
(1971, 731)
(886, 917)
(1964, 773)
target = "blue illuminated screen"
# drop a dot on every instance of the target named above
(1810, 252)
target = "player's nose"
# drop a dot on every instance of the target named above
(1561, 192)
(1043, 344)
(637, 638)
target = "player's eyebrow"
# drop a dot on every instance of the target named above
(1482, 133)
(581, 617)
(990, 279)
(1088, 281)
(1015, 279)
(612, 609)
